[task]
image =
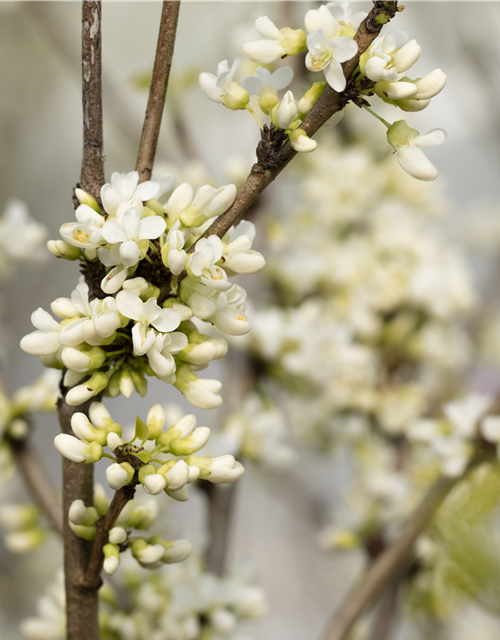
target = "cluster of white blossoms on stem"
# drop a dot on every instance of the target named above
(161, 461)
(184, 602)
(151, 276)
(331, 41)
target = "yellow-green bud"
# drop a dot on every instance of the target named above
(294, 41)
(191, 216)
(85, 198)
(237, 98)
(62, 249)
(83, 532)
(268, 98)
(310, 97)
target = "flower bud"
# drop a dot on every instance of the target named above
(301, 142)
(84, 430)
(101, 502)
(236, 98)
(178, 476)
(143, 516)
(83, 392)
(431, 85)
(310, 97)
(407, 56)
(85, 198)
(126, 384)
(139, 382)
(83, 532)
(113, 440)
(154, 484)
(268, 99)
(395, 90)
(175, 550)
(77, 451)
(287, 111)
(111, 558)
(119, 475)
(98, 414)
(193, 443)
(145, 553)
(77, 513)
(24, 541)
(293, 41)
(117, 535)
(62, 249)
(155, 421)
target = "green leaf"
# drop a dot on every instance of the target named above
(141, 430)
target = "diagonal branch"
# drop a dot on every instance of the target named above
(92, 578)
(158, 89)
(92, 175)
(330, 103)
(387, 564)
(38, 483)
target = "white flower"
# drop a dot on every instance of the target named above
(223, 88)
(465, 414)
(408, 144)
(276, 43)
(207, 203)
(20, 236)
(164, 347)
(130, 231)
(146, 314)
(301, 142)
(427, 88)
(154, 483)
(125, 187)
(202, 263)
(116, 476)
(237, 253)
(201, 393)
(117, 535)
(177, 476)
(87, 232)
(176, 256)
(266, 85)
(287, 111)
(342, 13)
(224, 469)
(45, 341)
(76, 450)
(327, 52)
(230, 317)
(389, 56)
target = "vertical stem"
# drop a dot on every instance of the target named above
(220, 509)
(385, 615)
(158, 89)
(81, 605)
(92, 175)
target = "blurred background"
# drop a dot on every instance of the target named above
(278, 517)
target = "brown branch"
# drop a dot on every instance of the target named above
(38, 483)
(386, 613)
(158, 89)
(92, 175)
(330, 103)
(91, 581)
(220, 508)
(388, 564)
(78, 484)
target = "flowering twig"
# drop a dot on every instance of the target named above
(38, 483)
(329, 103)
(158, 89)
(92, 174)
(92, 578)
(388, 563)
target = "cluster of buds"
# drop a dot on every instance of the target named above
(110, 343)
(146, 462)
(330, 41)
(24, 531)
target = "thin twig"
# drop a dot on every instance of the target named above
(92, 579)
(387, 564)
(158, 89)
(38, 483)
(92, 175)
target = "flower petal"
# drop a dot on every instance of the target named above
(151, 228)
(334, 75)
(415, 162)
(130, 305)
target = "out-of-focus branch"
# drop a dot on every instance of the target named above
(221, 501)
(330, 103)
(384, 618)
(158, 89)
(38, 483)
(92, 579)
(92, 174)
(388, 564)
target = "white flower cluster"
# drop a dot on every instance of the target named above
(182, 603)
(21, 238)
(109, 343)
(145, 462)
(330, 41)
